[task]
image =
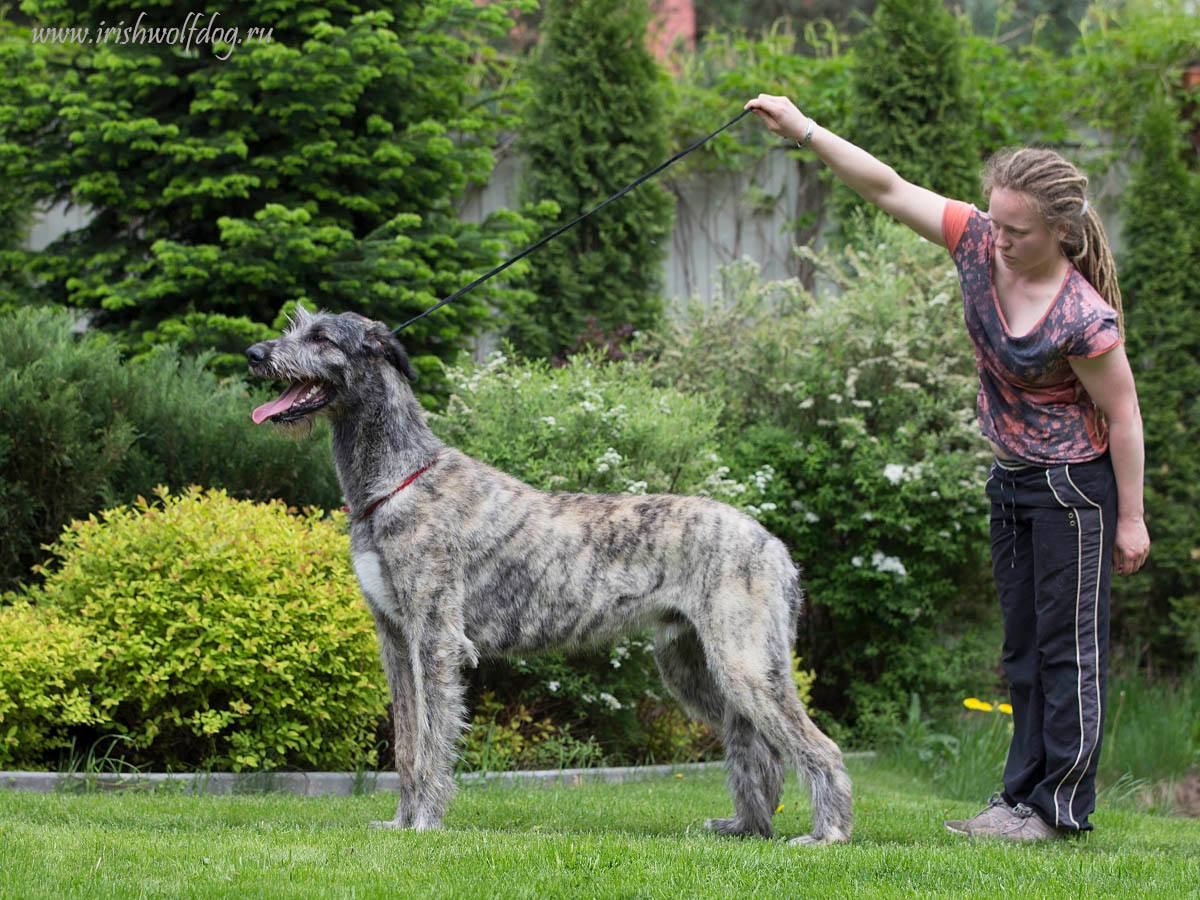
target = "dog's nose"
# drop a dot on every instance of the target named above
(256, 354)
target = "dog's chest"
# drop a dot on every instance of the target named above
(371, 579)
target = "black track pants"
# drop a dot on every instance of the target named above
(1052, 532)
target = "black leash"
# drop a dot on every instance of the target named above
(621, 193)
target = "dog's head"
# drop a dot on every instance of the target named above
(328, 363)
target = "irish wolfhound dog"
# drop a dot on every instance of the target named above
(458, 561)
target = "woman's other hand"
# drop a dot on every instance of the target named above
(1131, 546)
(780, 115)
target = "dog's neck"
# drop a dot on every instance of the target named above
(381, 443)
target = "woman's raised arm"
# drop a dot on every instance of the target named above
(917, 207)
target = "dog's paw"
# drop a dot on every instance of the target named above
(834, 836)
(731, 827)
(387, 825)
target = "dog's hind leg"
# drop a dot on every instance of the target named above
(757, 681)
(756, 774)
(755, 769)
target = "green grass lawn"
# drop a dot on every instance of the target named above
(632, 840)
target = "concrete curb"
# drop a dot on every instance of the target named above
(331, 784)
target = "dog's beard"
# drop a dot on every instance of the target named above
(300, 428)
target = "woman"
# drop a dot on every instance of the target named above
(1058, 405)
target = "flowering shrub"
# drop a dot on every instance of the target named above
(850, 422)
(585, 426)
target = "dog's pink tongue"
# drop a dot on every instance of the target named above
(290, 396)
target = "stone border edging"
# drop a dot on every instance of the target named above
(333, 784)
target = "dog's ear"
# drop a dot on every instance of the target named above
(380, 340)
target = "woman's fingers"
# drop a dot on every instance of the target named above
(1127, 562)
(779, 114)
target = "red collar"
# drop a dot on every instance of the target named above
(405, 483)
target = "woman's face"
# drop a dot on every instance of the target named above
(1019, 233)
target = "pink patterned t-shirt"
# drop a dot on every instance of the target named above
(1030, 401)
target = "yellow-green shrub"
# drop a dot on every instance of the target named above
(46, 663)
(232, 633)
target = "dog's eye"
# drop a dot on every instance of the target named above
(320, 337)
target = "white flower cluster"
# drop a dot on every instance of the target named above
(636, 487)
(757, 509)
(609, 459)
(466, 381)
(470, 381)
(882, 563)
(619, 652)
(896, 473)
(717, 484)
(605, 697)
(618, 413)
(552, 686)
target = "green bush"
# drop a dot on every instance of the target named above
(504, 737)
(80, 430)
(47, 663)
(851, 435)
(232, 634)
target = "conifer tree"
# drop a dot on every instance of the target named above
(909, 107)
(227, 181)
(594, 122)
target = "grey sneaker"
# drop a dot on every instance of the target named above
(1027, 825)
(997, 813)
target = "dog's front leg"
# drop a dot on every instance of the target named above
(441, 691)
(397, 665)
(430, 717)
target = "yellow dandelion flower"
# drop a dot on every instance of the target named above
(779, 808)
(1006, 708)
(977, 704)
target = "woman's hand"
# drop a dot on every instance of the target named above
(1131, 545)
(780, 115)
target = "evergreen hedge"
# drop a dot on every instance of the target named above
(1157, 612)
(81, 430)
